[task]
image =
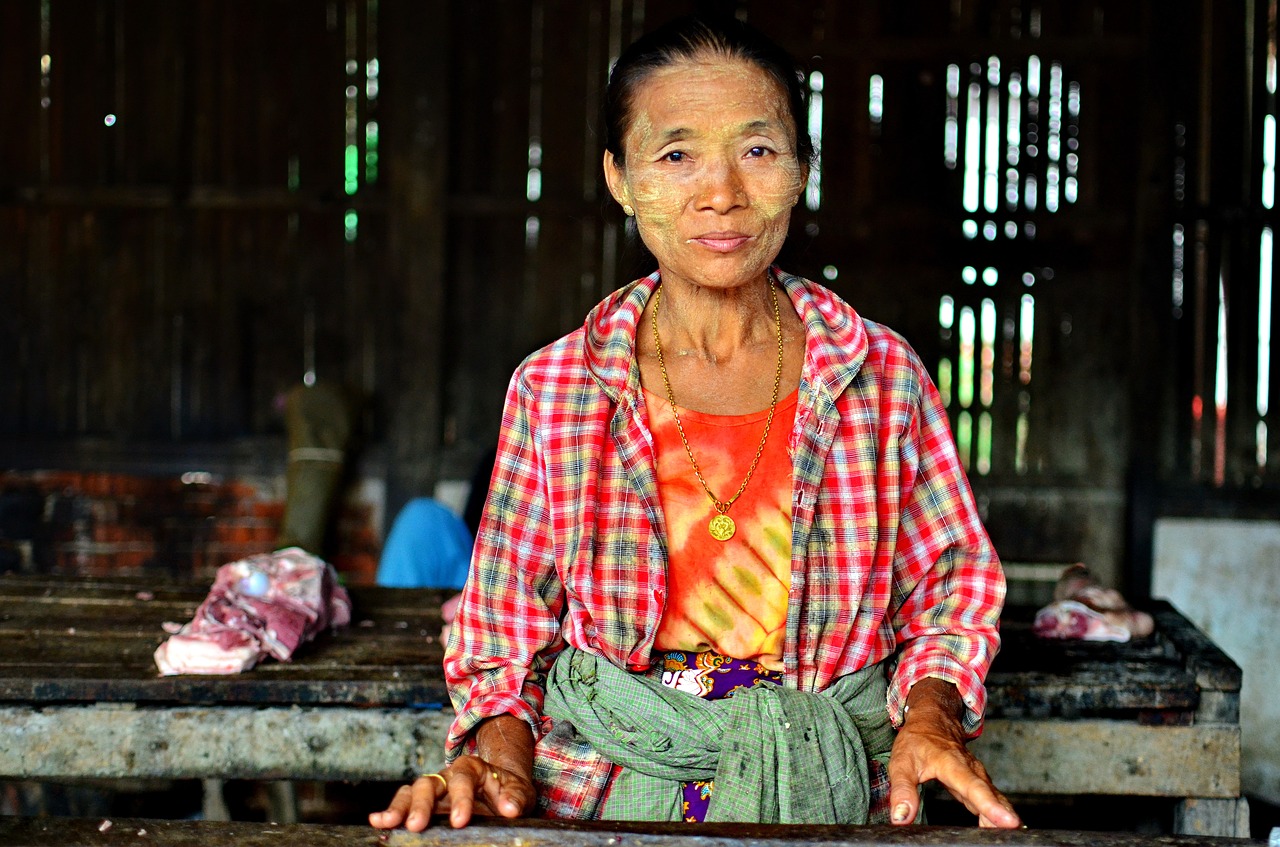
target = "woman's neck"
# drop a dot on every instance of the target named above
(714, 324)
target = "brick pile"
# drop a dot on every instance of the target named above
(115, 524)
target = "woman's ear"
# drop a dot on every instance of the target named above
(615, 179)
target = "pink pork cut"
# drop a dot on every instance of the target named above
(265, 605)
(1082, 609)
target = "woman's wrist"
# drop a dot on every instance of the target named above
(936, 701)
(506, 741)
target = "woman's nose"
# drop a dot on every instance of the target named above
(722, 188)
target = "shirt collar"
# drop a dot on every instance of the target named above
(836, 341)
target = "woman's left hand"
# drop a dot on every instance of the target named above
(931, 745)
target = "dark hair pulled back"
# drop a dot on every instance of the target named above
(687, 39)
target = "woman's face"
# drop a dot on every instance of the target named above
(711, 170)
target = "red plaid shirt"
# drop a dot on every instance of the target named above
(890, 560)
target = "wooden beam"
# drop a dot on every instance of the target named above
(237, 742)
(128, 832)
(1111, 757)
(416, 73)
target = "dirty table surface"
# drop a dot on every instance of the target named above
(80, 695)
(1162, 678)
(47, 832)
(68, 640)
(84, 640)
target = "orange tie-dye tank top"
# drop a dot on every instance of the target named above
(727, 596)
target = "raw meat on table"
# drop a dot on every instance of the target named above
(265, 605)
(1082, 609)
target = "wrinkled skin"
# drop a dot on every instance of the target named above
(930, 745)
(711, 173)
(498, 779)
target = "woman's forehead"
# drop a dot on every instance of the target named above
(690, 97)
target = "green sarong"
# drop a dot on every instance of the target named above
(777, 755)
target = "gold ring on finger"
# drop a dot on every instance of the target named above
(444, 783)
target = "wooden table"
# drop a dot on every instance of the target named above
(1157, 717)
(50, 832)
(80, 697)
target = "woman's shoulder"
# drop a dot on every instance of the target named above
(553, 360)
(890, 344)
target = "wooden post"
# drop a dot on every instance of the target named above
(416, 61)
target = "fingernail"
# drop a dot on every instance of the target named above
(900, 812)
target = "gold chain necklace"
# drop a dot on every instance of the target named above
(721, 526)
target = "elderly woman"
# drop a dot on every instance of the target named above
(728, 548)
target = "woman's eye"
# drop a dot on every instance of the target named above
(758, 151)
(675, 156)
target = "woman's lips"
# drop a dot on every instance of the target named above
(721, 242)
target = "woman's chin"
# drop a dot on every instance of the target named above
(723, 272)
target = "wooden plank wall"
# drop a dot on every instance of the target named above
(164, 279)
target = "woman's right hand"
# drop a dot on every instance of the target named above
(498, 781)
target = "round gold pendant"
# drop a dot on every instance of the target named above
(721, 527)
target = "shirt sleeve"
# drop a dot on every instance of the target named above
(948, 585)
(507, 629)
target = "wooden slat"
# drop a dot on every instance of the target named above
(122, 592)
(1213, 668)
(44, 832)
(1104, 690)
(382, 648)
(1111, 757)
(1068, 678)
(416, 164)
(125, 588)
(20, 98)
(269, 197)
(492, 327)
(300, 742)
(92, 640)
(422, 685)
(558, 259)
(86, 619)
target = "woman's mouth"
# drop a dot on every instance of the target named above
(721, 242)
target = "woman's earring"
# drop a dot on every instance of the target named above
(627, 210)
